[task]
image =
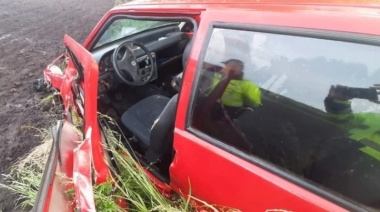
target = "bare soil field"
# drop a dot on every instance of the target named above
(31, 34)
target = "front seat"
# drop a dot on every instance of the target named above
(177, 80)
(151, 120)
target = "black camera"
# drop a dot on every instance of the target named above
(359, 93)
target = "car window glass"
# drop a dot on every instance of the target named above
(309, 106)
(124, 27)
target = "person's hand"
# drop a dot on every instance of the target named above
(377, 88)
(231, 73)
(339, 92)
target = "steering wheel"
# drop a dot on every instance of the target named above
(127, 66)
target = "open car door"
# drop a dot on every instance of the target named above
(75, 157)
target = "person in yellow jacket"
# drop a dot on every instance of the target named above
(227, 91)
(234, 90)
(361, 127)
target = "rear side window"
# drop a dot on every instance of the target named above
(309, 106)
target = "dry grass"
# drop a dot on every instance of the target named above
(26, 174)
(38, 155)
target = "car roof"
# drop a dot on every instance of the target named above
(227, 3)
(354, 16)
(371, 7)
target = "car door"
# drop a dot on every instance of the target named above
(269, 157)
(75, 156)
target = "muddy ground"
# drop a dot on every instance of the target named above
(31, 35)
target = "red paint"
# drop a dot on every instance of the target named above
(160, 186)
(53, 78)
(221, 178)
(59, 183)
(90, 88)
(82, 177)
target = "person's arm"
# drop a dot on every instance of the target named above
(211, 67)
(218, 90)
(337, 101)
(338, 104)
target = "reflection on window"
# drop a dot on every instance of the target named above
(123, 27)
(307, 105)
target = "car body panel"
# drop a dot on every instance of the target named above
(310, 2)
(90, 86)
(217, 176)
(52, 194)
(82, 176)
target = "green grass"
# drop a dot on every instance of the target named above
(132, 184)
(129, 184)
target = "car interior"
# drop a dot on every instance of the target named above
(139, 77)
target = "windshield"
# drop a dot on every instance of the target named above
(124, 27)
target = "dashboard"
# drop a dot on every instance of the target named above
(107, 77)
(164, 44)
(105, 64)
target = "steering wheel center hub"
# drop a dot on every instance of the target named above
(126, 63)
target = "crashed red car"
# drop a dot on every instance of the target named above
(258, 106)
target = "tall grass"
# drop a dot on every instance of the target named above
(26, 174)
(131, 182)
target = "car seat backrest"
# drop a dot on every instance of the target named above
(161, 137)
(186, 53)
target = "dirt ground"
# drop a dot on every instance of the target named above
(31, 34)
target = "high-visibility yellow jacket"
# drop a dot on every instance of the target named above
(239, 93)
(361, 127)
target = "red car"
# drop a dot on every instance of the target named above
(260, 106)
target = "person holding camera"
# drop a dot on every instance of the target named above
(361, 127)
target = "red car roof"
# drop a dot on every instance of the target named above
(355, 16)
(367, 3)
(361, 7)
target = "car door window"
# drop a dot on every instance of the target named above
(308, 106)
